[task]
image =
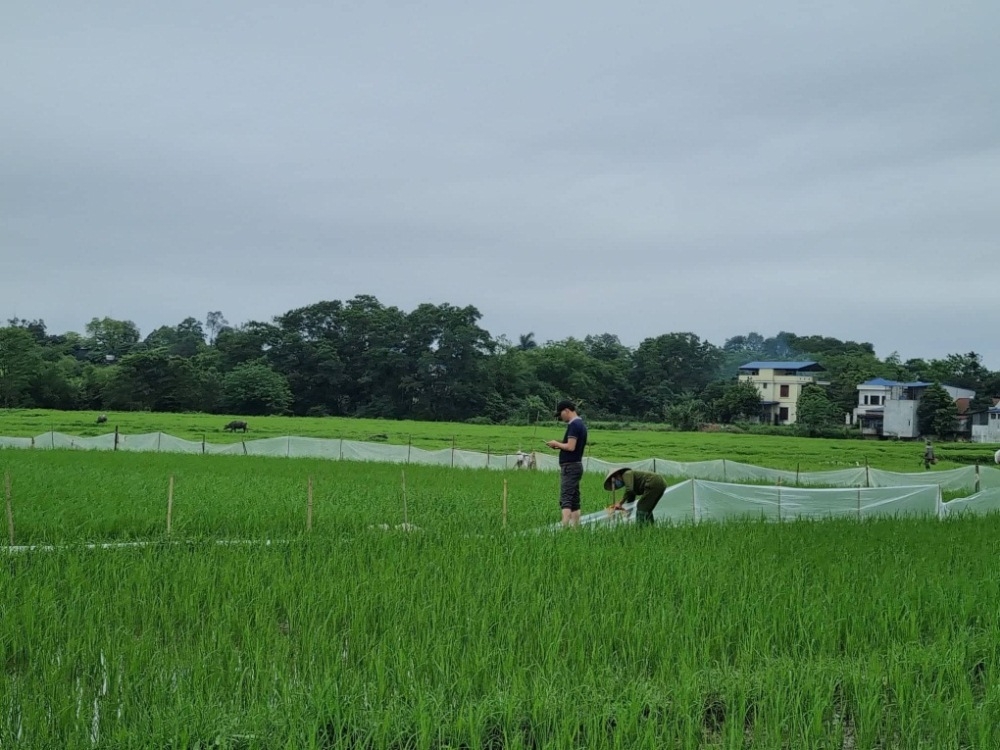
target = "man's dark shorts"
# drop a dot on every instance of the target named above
(569, 485)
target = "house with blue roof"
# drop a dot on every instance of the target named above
(780, 384)
(888, 408)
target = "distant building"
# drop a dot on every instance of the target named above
(986, 426)
(888, 408)
(780, 384)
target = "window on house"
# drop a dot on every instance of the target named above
(783, 413)
(784, 391)
(866, 400)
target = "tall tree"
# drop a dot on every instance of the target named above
(936, 411)
(20, 364)
(815, 410)
(670, 365)
(111, 339)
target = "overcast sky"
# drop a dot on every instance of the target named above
(569, 168)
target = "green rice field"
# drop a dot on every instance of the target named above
(255, 623)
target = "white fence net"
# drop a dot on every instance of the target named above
(717, 494)
(697, 500)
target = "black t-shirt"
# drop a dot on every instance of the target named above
(576, 429)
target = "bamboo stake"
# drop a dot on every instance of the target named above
(505, 503)
(405, 514)
(170, 503)
(309, 507)
(10, 510)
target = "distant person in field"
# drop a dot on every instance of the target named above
(929, 455)
(570, 461)
(645, 485)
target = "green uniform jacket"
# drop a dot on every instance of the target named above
(645, 485)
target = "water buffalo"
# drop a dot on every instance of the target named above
(236, 424)
(102, 419)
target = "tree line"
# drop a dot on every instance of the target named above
(360, 358)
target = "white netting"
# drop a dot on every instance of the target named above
(712, 491)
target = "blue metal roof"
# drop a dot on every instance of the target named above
(779, 365)
(884, 382)
(881, 381)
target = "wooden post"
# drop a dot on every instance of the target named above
(10, 509)
(405, 514)
(170, 503)
(244, 442)
(868, 479)
(797, 474)
(453, 451)
(158, 441)
(779, 499)
(203, 444)
(487, 455)
(654, 465)
(724, 470)
(309, 507)
(977, 475)
(505, 503)
(859, 503)
(116, 437)
(409, 447)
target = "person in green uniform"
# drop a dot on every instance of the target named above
(645, 485)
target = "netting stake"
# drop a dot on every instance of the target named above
(505, 503)
(10, 509)
(170, 503)
(977, 475)
(309, 507)
(453, 451)
(859, 503)
(405, 515)
(409, 447)
(116, 437)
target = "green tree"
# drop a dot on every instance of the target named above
(815, 410)
(20, 365)
(255, 389)
(668, 366)
(740, 400)
(686, 414)
(110, 339)
(934, 411)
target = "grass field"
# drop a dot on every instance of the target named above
(780, 452)
(467, 633)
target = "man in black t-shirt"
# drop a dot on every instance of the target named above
(570, 461)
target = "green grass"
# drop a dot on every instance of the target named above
(806, 635)
(780, 452)
(466, 633)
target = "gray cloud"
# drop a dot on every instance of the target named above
(637, 169)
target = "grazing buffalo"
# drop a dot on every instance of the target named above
(102, 419)
(236, 424)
